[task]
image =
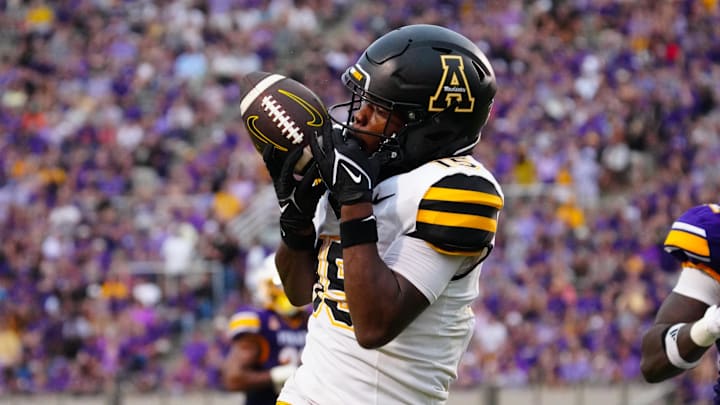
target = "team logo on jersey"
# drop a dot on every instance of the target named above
(453, 87)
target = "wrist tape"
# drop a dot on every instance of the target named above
(700, 334)
(280, 374)
(358, 231)
(672, 351)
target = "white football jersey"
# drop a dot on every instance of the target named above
(435, 224)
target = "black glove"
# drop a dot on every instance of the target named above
(345, 167)
(298, 198)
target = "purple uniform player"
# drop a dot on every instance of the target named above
(266, 340)
(688, 321)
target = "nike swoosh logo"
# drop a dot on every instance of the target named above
(254, 131)
(378, 199)
(316, 117)
(284, 207)
(353, 176)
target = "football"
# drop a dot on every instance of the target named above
(280, 111)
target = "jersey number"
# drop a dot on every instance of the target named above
(462, 161)
(329, 291)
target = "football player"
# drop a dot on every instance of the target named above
(688, 321)
(266, 340)
(392, 260)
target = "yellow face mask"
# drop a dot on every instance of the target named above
(281, 304)
(269, 291)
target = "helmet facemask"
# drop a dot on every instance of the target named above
(360, 97)
(390, 150)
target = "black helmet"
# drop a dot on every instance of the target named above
(440, 84)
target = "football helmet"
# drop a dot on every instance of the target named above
(439, 83)
(267, 289)
(694, 239)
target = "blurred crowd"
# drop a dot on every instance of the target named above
(122, 162)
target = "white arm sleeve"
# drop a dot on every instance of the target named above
(429, 271)
(695, 284)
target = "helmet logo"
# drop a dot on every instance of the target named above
(361, 77)
(356, 74)
(453, 87)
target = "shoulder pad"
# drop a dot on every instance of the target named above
(458, 214)
(694, 238)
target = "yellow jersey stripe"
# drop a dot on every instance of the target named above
(689, 242)
(457, 220)
(463, 196)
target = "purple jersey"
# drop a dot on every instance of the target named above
(281, 342)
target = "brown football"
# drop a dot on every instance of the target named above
(279, 111)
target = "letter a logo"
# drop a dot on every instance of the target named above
(453, 87)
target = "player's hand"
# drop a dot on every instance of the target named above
(280, 374)
(298, 197)
(706, 330)
(345, 167)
